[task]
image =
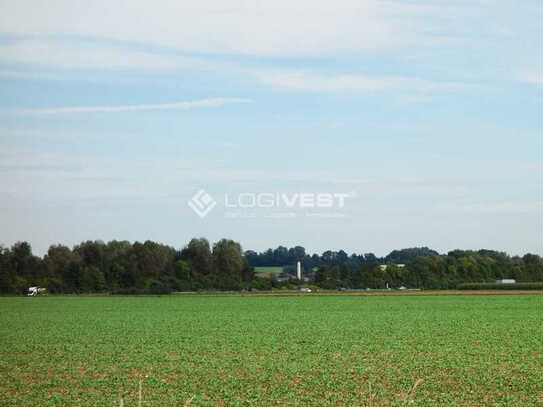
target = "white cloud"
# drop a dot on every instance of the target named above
(316, 82)
(59, 54)
(63, 55)
(281, 27)
(278, 28)
(187, 105)
(532, 76)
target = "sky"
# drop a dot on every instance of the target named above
(425, 114)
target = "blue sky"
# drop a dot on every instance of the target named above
(112, 116)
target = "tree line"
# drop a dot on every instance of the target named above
(132, 268)
(126, 268)
(434, 271)
(418, 267)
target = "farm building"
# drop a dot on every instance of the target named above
(506, 281)
(383, 267)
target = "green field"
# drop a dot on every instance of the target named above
(272, 350)
(268, 271)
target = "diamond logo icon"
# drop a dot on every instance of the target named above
(202, 203)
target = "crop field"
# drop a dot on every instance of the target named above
(272, 350)
(268, 271)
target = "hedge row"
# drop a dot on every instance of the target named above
(497, 286)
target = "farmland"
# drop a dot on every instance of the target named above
(272, 350)
(268, 271)
(272, 270)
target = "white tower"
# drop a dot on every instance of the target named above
(299, 271)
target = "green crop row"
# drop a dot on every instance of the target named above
(238, 350)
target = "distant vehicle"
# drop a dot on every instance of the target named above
(305, 290)
(506, 281)
(34, 291)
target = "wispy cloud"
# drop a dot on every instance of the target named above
(186, 105)
(101, 57)
(404, 89)
(308, 27)
(357, 82)
(531, 76)
(85, 56)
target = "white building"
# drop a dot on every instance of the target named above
(383, 267)
(506, 281)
